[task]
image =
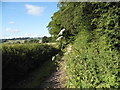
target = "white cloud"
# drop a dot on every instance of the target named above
(12, 30)
(34, 10)
(11, 22)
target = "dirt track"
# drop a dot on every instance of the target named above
(55, 80)
(59, 77)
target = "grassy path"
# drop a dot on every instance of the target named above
(59, 77)
(56, 80)
(48, 76)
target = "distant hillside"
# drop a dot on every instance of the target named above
(23, 38)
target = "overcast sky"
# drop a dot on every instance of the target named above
(26, 19)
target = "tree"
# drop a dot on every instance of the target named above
(45, 39)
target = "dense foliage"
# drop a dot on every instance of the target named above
(46, 39)
(21, 59)
(94, 30)
(32, 41)
(92, 65)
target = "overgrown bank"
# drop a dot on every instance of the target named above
(93, 29)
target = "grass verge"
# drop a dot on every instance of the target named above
(35, 79)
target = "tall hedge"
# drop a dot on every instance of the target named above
(94, 61)
(94, 30)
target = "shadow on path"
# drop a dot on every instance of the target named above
(57, 78)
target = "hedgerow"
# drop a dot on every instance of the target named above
(94, 30)
(18, 60)
(92, 65)
(94, 61)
